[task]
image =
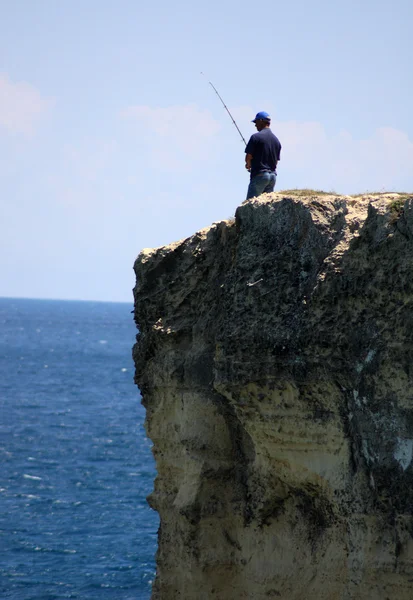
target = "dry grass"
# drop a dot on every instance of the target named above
(307, 192)
(377, 194)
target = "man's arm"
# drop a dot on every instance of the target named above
(248, 159)
(248, 150)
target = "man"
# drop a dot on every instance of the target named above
(262, 155)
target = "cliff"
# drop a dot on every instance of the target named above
(274, 358)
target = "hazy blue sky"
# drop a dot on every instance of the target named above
(111, 141)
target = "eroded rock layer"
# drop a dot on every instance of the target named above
(274, 357)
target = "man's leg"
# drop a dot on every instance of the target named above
(259, 183)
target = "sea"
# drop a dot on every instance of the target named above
(76, 464)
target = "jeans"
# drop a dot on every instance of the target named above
(262, 183)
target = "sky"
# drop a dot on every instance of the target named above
(112, 141)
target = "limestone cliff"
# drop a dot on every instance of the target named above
(274, 357)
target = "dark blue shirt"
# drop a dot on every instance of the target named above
(265, 149)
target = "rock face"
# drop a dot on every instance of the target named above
(275, 361)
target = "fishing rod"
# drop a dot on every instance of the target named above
(226, 108)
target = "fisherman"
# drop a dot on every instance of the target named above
(262, 155)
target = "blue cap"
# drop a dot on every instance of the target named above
(261, 116)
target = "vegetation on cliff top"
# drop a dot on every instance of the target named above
(402, 196)
(307, 192)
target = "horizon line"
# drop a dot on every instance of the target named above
(65, 299)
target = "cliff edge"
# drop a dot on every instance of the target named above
(275, 362)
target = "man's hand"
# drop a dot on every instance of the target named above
(248, 159)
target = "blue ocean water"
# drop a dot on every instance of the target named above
(76, 465)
